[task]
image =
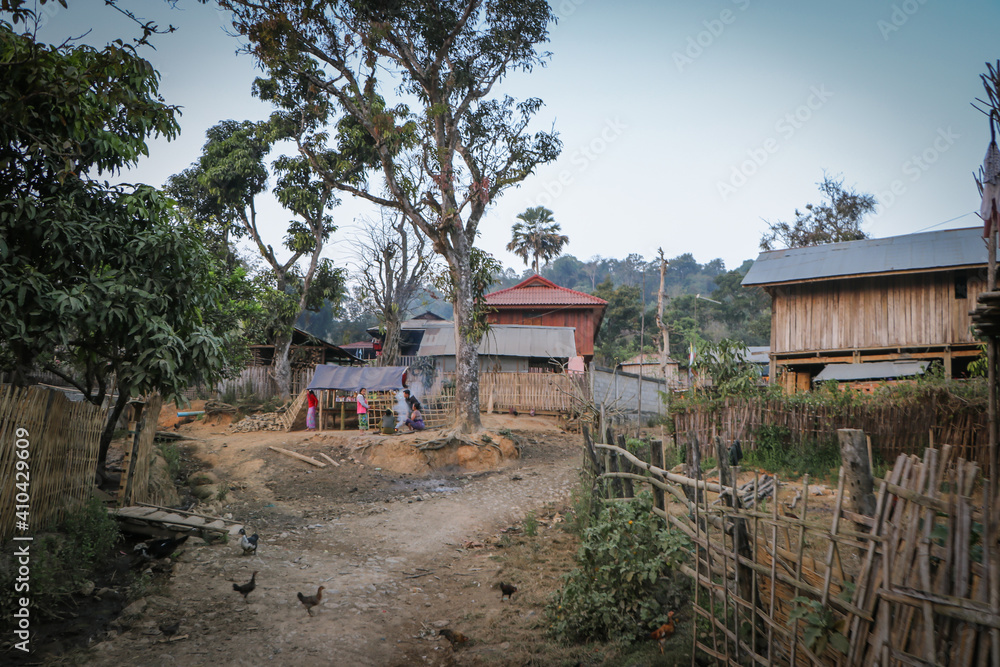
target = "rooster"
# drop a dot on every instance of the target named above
(310, 601)
(249, 544)
(506, 590)
(247, 588)
(662, 633)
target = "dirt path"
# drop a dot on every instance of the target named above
(399, 555)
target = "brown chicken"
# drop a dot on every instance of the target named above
(662, 633)
(453, 636)
(247, 588)
(506, 590)
(310, 601)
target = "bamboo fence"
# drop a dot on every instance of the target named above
(524, 392)
(907, 586)
(63, 442)
(894, 429)
(258, 381)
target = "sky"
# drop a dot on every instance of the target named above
(685, 125)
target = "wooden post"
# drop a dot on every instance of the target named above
(656, 456)
(858, 471)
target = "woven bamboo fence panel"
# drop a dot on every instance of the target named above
(907, 586)
(894, 430)
(258, 381)
(542, 392)
(64, 439)
(135, 486)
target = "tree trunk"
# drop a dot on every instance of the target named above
(390, 345)
(466, 350)
(109, 427)
(282, 365)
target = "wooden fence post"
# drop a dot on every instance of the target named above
(656, 458)
(857, 470)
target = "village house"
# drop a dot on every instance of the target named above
(306, 351)
(538, 302)
(897, 299)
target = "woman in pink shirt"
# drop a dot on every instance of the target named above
(363, 410)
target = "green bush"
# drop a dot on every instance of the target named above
(63, 557)
(777, 452)
(624, 584)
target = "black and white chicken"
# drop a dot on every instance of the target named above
(248, 543)
(160, 548)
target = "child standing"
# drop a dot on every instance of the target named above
(362, 409)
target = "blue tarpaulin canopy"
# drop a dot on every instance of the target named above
(353, 378)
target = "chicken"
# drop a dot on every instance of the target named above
(171, 629)
(453, 636)
(247, 588)
(506, 590)
(160, 548)
(248, 544)
(662, 633)
(310, 601)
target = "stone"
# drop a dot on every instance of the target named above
(203, 477)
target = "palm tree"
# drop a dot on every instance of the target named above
(537, 236)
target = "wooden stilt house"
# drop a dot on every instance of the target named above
(875, 300)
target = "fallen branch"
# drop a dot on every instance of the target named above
(294, 455)
(329, 459)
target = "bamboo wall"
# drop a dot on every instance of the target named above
(886, 311)
(64, 438)
(258, 381)
(905, 586)
(894, 429)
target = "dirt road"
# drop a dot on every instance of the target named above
(401, 556)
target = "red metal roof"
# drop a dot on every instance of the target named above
(537, 291)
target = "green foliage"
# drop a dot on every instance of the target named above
(836, 219)
(623, 585)
(172, 455)
(64, 557)
(530, 524)
(618, 339)
(726, 363)
(778, 452)
(823, 627)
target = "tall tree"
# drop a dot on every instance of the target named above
(445, 57)
(96, 281)
(232, 171)
(394, 264)
(837, 218)
(536, 236)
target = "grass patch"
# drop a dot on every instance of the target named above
(777, 452)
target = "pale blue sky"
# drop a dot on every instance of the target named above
(685, 124)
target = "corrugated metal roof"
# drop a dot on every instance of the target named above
(913, 252)
(504, 340)
(537, 291)
(876, 370)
